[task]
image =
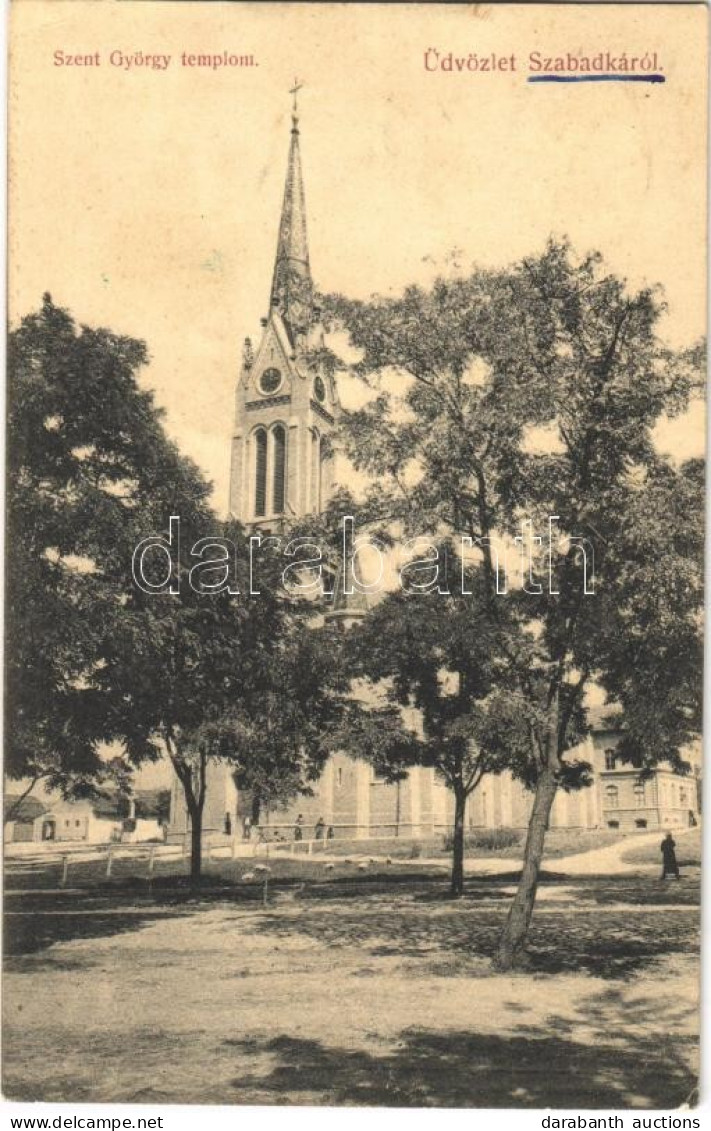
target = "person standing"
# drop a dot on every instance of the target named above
(299, 828)
(669, 863)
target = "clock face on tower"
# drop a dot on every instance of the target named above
(270, 381)
(319, 390)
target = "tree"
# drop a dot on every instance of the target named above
(435, 652)
(232, 677)
(90, 472)
(530, 395)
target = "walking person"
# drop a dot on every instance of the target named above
(669, 864)
(299, 828)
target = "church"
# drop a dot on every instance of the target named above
(282, 468)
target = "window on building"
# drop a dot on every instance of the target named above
(260, 473)
(640, 798)
(613, 824)
(612, 797)
(279, 488)
(610, 760)
(316, 470)
(77, 823)
(641, 823)
(339, 776)
(682, 795)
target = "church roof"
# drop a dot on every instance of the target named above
(292, 287)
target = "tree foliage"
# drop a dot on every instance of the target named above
(90, 472)
(518, 395)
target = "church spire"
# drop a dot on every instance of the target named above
(292, 288)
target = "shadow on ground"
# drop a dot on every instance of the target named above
(618, 1067)
(609, 927)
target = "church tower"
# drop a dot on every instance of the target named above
(286, 400)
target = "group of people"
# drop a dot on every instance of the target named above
(320, 829)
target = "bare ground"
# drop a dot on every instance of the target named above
(355, 990)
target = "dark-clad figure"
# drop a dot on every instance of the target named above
(299, 828)
(319, 829)
(669, 864)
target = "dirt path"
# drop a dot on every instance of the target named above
(606, 861)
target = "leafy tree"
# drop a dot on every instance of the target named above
(226, 677)
(435, 652)
(529, 393)
(90, 472)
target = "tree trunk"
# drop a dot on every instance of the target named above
(195, 845)
(515, 933)
(460, 801)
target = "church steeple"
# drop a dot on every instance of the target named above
(292, 287)
(286, 401)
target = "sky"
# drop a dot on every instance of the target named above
(147, 200)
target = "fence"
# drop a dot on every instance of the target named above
(265, 842)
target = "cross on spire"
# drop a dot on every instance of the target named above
(295, 108)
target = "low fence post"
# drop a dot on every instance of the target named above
(109, 862)
(65, 871)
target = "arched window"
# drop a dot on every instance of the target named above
(260, 473)
(612, 796)
(316, 470)
(279, 486)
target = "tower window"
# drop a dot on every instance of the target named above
(610, 760)
(260, 464)
(279, 488)
(270, 381)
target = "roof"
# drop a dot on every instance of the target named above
(29, 809)
(292, 290)
(606, 717)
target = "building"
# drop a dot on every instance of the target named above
(286, 402)
(52, 819)
(286, 412)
